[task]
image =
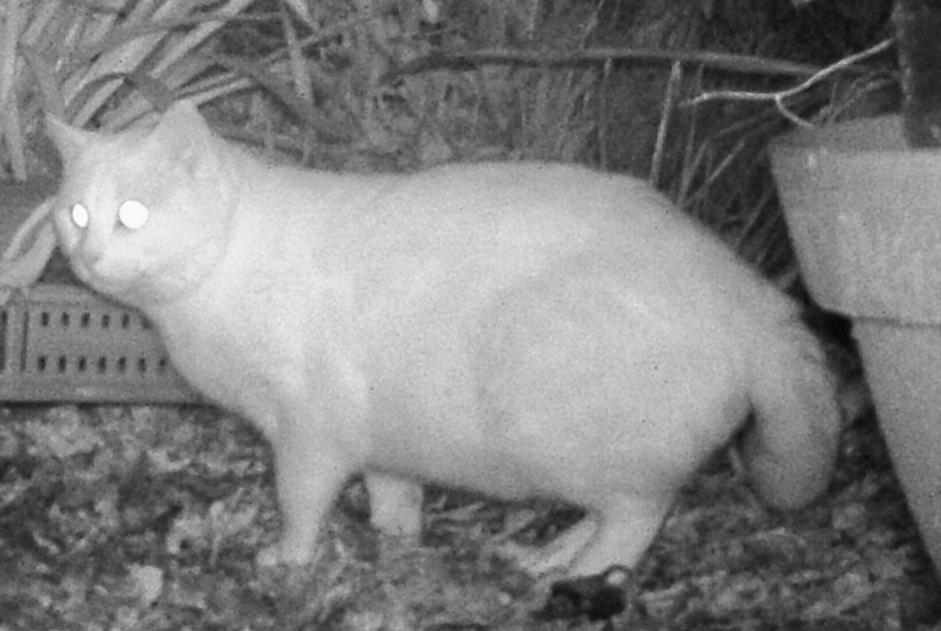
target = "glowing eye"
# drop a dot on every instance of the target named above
(80, 216)
(132, 214)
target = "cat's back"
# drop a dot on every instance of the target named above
(513, 220)
(473, 207)
(453, 231)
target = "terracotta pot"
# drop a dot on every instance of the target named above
(864, 213)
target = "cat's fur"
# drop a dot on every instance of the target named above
(518, 329)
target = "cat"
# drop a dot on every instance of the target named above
(518, 329)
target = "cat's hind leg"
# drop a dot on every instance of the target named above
(395, 505)
(616, 532)
(556, 555)
(627, 525)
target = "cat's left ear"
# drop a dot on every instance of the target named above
(184, 138)
(70, 141)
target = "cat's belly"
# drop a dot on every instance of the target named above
(457, 464)
(581, 459)
(557, 392)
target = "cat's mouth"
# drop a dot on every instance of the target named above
(98, 280)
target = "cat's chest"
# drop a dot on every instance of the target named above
(234, 354)
(217, 359)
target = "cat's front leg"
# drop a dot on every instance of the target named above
(308, 480)
(394, 505)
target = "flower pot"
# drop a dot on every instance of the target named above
(864, 213)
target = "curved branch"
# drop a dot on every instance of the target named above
(745, 64)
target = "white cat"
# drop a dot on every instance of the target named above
(518, 329)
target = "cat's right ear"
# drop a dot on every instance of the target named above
(183, 138)
(70, 141)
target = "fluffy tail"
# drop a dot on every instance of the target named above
(791, 449)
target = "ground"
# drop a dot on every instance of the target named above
(149, 517)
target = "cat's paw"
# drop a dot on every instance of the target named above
(268, 557)
(532, 560)
(395, 506)
(280, 554)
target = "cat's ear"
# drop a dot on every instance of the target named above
(183, 118)
(184, 138)
(70, 141)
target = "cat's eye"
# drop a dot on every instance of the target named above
(80, 216)
(132, 214)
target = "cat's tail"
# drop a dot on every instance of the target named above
(791, 448)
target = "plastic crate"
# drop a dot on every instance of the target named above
(63, 343)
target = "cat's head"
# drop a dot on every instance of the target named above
(144, 215)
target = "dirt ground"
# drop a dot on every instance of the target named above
(149, 517)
